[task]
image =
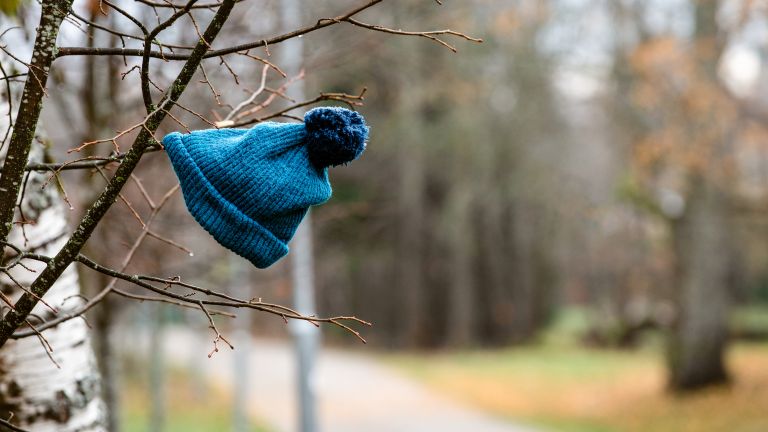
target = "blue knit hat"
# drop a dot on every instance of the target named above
(250, 188)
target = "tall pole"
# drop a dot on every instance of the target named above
(238, 270)
(306, 336)
(157, 394)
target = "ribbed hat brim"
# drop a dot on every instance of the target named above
(225, 222)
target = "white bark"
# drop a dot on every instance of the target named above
(41, 395)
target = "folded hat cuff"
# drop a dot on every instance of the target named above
(225, 222)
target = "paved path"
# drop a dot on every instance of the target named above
(356, 393)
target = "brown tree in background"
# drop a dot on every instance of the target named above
(702, 234)
(688, 130)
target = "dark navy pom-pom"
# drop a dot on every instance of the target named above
(335, 136)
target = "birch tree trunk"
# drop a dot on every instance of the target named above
(40, 394)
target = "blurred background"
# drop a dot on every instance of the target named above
(560, 229)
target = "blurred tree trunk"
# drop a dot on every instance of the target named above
(461, 312)
(410, 247)
(701, 238)
(98, 98)
(525, 232)
(515, 191)
(491, 261)
(411, 263)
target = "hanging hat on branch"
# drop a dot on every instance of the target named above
(250, 188)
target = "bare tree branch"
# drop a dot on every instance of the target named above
(227, 301)
(148, 48)
(10, 426)
(431, 35)
(130, 52)
(168, 4)
(15, 317)
(156, 208)
(89, 162)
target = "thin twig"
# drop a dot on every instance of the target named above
(431, 35)
(252, 98)
(9, 425)
(46, 345)
(212, 325)
(132, 52)
(351, 100)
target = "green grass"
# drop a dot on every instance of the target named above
(751, 318)
(187, 409)
(181, 421)
(562, 386)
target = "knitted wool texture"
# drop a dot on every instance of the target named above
(250, 188)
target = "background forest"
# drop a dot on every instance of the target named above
(564, 227)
